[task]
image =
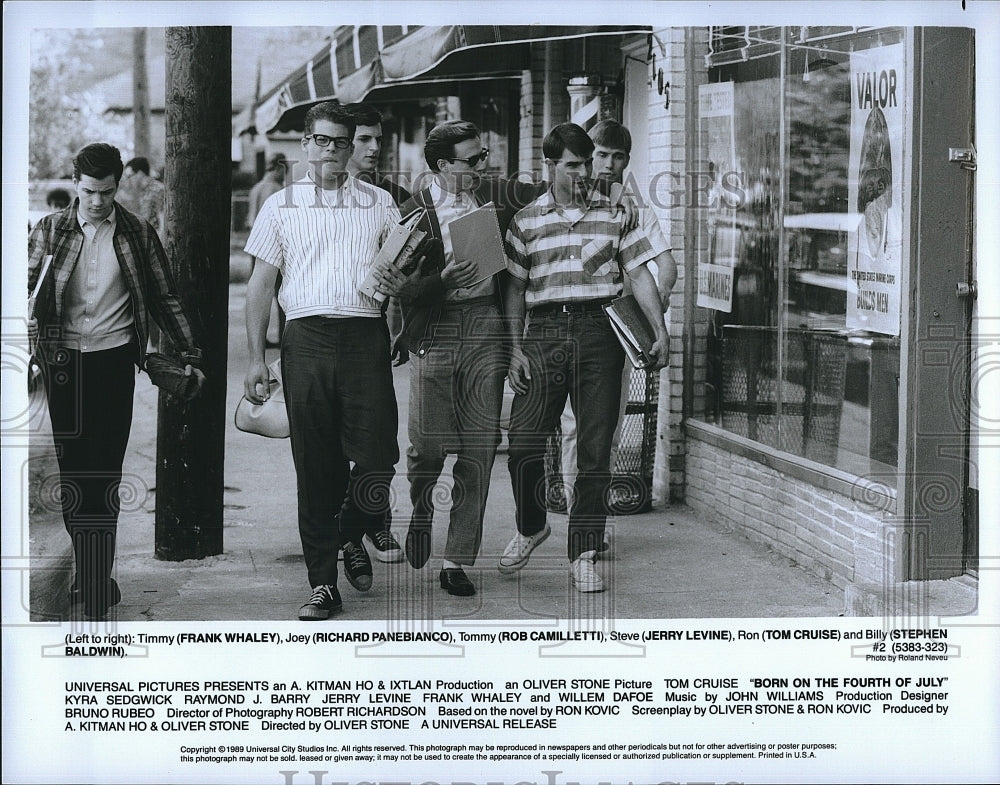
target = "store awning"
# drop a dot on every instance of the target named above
(362, 61)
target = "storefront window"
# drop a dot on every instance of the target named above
(800, 244)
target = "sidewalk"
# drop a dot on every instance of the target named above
(667, 563)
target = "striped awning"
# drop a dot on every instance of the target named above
(362, 60)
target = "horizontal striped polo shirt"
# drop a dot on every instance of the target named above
(324, 243)
(571, 254)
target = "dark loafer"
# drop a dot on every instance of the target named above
(456, 582)
(418, 545)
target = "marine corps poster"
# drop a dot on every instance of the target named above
(716, 113)
(874, 264)
(710, 656)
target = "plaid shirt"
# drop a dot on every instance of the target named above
(143, 264)
(564, 258)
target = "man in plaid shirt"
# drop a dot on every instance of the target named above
(108, 274)
(565, 254)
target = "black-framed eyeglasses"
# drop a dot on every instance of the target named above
(322, 140)
(473, 160)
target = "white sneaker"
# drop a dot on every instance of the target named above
(516, 554)
(585, 577)
(604, 550)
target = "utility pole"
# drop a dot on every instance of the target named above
(190, 440)
(140, 94)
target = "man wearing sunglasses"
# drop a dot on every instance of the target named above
(322, 234)
(453, 326)
(566, 252)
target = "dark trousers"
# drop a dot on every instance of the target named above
(575, 355)
(456, 391)
(337, 380)
(90, 405)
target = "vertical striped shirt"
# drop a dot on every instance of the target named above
(571, 255)
(324, 243)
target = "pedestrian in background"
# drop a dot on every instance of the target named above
(275, 177)
(58, 199)
(143, 194)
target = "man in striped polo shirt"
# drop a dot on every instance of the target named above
(322, 234)
(566, 252)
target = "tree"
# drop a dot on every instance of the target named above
(63, 113)
(190, 440)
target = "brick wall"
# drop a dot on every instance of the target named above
(840, 539)
(667, 168)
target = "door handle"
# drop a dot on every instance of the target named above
(970, 289)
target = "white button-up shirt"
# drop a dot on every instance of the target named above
(324, 244)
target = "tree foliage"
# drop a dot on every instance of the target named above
(63, 113)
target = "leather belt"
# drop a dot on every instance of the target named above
(586, 306)
(472, 302)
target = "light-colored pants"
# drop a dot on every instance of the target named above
(456, 391)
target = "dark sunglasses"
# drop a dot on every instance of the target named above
(474, 160)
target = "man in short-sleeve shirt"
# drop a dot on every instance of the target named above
(565, 254)
(322, 234)
(613, 146)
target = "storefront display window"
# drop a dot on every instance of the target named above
(800, 253)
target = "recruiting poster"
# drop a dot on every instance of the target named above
(710, 657)
(875, 189)
(717, 263)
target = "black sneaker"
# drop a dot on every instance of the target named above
(357, 566)
(385, 545)
(324, 601)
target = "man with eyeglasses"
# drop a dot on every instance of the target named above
(453, 326)
(566, 252)
(322, 234)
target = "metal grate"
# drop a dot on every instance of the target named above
(632, 472)
(812, 389)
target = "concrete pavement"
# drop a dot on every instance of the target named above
(667, 563)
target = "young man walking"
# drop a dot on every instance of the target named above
(108, 274)
(322, 234)
(452, 325)
(612, 148)
(565, 254)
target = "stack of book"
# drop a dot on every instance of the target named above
(633, 330)
(397, 250)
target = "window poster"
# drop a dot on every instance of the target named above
(716, 266)
(710, 656)
(875, 189)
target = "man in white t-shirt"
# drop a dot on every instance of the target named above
(322, 234)
(612, 148)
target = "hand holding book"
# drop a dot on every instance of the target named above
(635, 334)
